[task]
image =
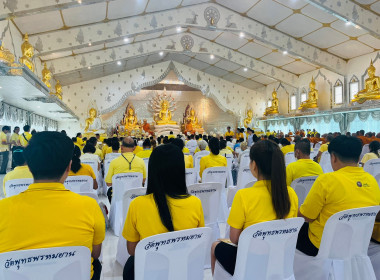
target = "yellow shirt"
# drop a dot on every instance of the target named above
(104, 149)
(20, 172)
(170, 136)
(189, 162)
(369, 156)
(120, 165)
(99, 153)
(143, 219)
(185, 150)
(80, 141)
(324, 148)
(47, 215)
(287, 149)
(3, 137)
(15, 138)
(24, 142)
(225, 151)
(138, 149)
(254, 205)
(85, 170)
(144, 154)
(240, 135)
(229, 134)
(302, 168)
(347, 188)
(211, 160)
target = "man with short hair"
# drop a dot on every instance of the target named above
(348, 187)
(147, 151)
(304, 166)
(47, 214)
(4, 149)
(25, 136)
(229, 132)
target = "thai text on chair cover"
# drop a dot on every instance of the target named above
(302, 187)
(16, 186)
(325, 162)
(79, 184)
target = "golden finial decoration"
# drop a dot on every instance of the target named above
(27, 53)
(46, 76)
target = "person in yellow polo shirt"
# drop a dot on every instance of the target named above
(224, 150)
(4, 149)
(21, 170)
(324, 147)
(167, 205)
(52, 215)
(349, 186)
(25, 136)
(213, 159)
(147, 149)
(255, 204)
(304, 166)
(80, 140)
(79, 169)
(229, 132)
(127, 162)
(286, 146)
(93, 142)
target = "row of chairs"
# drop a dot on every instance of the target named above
(266, 251)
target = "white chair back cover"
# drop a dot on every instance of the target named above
(289, 158)
(244, 159)
(58, 263)
(112, 156)
(121, 183)
(122, 253)
(317, 146)
(93, 164)
(146, 161)
(79, 184)
(374, 255)
(325, 162)
(106, 165)
(215, 174)
(302, 187)
(373, 167)
(244, 176)
(343, 250)
(90, 194)
(238, 150)
(16, 186)
(266, 251)
(191, 176)
(178, 255)
(250, 184)
(365, 150)
(230, 159)
(197, 159)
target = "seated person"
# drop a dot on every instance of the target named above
(324, 147)
(286, 146)
(192, 144)
(137, 148)
(202, 146)
(21, 171)
(188, 158)
(166, 207)
(79, 169)
(47, 215)
(89, 154)
(304, 166)
(94, 142)
(213, 159)
(147, 149)
(257, 203)
(349, 186)
(223, 148)
(374, 147)
(114, 146)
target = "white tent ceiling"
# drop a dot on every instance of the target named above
(295, 36)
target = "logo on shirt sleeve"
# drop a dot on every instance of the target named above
(359, 184)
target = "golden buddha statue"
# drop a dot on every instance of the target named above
(5, 55)
(312, 101)
(93, 123)
(371, 87)
(130, 119)
(165, 115)
(27, 53)
(274, 108)
(46, 76)
(248, 119)
(58, 90)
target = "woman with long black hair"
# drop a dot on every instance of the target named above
(268, 199)
(166, 207)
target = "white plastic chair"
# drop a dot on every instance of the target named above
(365, 150)
(244, 177)
(146, 161)
(317, 146)
(121, 183)
(112, 156)
(372, 167)
(289, 158)
(244, 159)
(122, 253)
(58, 263)
(230, 158)
(343, 251)
(173, 256)
(98, 174)
(106, 166)
(90, 194)
(302, 187)
(197, 159)
(325, 162)
(265, 251)
(374, 255)
(210, 195)
(16, 186)
(191, 176)
(79, 184)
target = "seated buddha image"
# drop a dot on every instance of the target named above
(165, 115)
(130, 119)
(312, 101)
(93, 123)
(371, 87)
(248, 119)
(192, 118)
(27, 53)
(274, 108)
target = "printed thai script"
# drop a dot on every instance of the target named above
(133, 196)
(264, 234)
(14, 186)
(154, 244)
(306, 180)
(349, 216)
(126, 176)
(18, 262)
(203, 191)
